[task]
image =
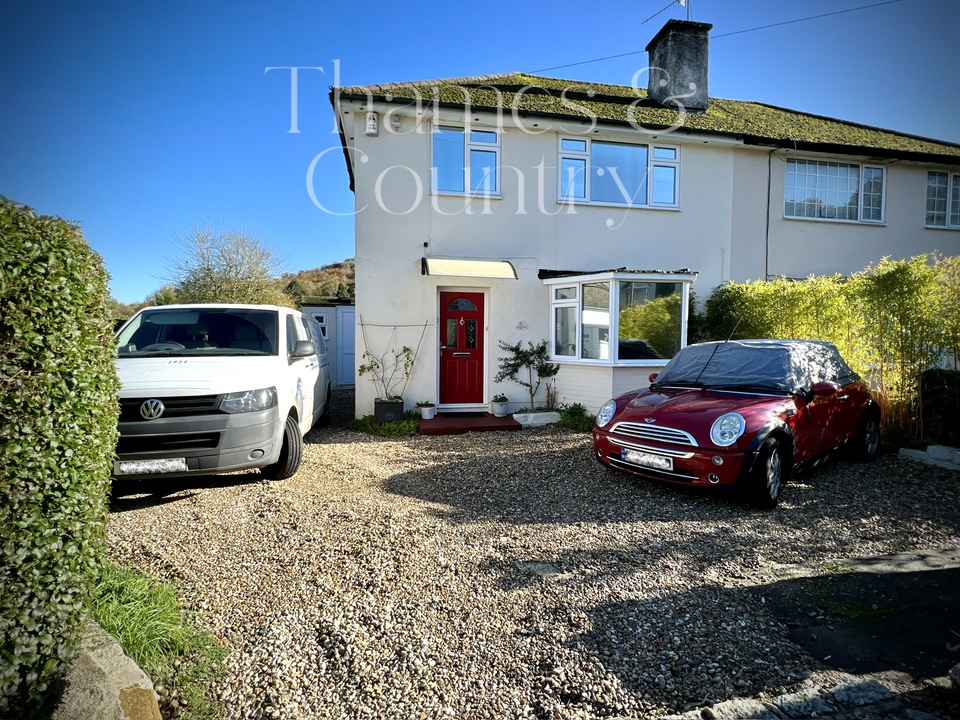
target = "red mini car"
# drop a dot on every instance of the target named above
(741, 414)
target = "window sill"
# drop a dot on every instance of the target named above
(954, 228)
(620, 206)
(469, 196)
(836, 221)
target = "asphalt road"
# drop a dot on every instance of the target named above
(874, 615)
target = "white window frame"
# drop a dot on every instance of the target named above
(586, 156)
(951, 214)
(468, 145)
(861, 168)
(565, 302)
(578, 281)
(321, 319)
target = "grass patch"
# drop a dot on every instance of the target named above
(409, 425)
(856, 611)
(144, 616)
(832, 567)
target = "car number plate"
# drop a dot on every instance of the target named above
(658, 462)
(151, 467)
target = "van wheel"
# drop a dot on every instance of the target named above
(290, 454)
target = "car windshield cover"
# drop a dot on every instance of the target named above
(784, 365)
(175, 332)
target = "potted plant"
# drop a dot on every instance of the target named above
(499, 405)
(390, 372)
(427, 409)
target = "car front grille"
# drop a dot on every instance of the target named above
(173, 406)
(654, 432)
(170, 444)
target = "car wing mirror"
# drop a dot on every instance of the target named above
(305, 348)
(653, 377)
(824, 389)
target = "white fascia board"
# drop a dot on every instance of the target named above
(637, 276)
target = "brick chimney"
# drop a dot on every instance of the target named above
(678, 65)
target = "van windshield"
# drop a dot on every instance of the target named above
(199, 331)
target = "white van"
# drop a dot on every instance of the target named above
(217, 388)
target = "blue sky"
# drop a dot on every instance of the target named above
(140, 120)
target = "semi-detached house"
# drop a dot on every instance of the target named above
(522, 208)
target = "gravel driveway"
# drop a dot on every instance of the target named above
(504, 575)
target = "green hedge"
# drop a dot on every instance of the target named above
(891, 322)
(58, 425)
(940, 390)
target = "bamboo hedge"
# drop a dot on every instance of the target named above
(892, 321)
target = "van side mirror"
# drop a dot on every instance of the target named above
(305, 348)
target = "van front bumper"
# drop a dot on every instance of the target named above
(198, 445)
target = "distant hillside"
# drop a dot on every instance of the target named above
(335, 280)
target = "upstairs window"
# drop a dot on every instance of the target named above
(611, 173)
(466, 161)
(943, 200)
(821, 190)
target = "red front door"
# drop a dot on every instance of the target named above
(461, 348)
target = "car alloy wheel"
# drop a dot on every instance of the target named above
(774, 475)
(768, 475)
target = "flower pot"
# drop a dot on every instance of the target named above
(385, 411)
(428, 411)
(499, 409)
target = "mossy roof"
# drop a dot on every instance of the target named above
(753, 122)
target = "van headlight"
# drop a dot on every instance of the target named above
(727, 428)
(249, 401)
(606, 413)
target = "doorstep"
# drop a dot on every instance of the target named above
(459, 423)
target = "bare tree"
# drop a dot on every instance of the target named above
(219, 265)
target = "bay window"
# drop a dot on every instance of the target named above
(617, 317)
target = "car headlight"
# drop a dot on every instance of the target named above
(727, 428)
(249, 401)
(606, 413)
